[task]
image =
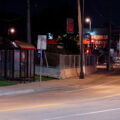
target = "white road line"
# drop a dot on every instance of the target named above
(107, 83)
(83, 114)
(86, 88)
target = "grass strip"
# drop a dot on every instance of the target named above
(4, 82)
(37, 78)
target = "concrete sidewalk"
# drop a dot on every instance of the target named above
(52, 84)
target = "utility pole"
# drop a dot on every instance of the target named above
(81, 35)
(109, 36)
(28, 23)
(109, 46)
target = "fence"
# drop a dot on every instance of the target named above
(69, 61)
(70, 65)
(73, 61)
(17, 64)
(63, 66)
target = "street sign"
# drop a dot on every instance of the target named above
(41, 45)
(41, 52)
(42, 42)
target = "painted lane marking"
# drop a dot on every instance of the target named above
(31, 107)
(100, 98)
(82, 114)
(56, 104)
(81, 89)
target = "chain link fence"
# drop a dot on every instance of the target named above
(63, 66)
(73, 61)
(69, 61)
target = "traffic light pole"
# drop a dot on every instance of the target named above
(109, 37)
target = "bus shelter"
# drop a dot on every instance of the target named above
(17, 60)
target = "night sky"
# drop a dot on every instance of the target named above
(98, 10)
(103, 10)
(50, 15)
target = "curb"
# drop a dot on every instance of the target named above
(18, 92)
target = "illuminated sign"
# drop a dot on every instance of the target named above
(50, 36)
(53, 42)
(99, 37)
(70, 25)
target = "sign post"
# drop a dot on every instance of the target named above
(41, 45)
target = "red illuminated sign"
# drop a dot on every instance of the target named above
(70, 25)
(52, 42)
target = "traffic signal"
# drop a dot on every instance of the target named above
(92, 41)
(88, 51)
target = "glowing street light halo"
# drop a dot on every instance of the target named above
(88, 20)
(12, 30)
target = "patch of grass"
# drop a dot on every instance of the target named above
(4, 82)
(37, 78)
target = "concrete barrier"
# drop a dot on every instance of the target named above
(65, 72)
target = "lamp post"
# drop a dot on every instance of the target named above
(88, 20)
(81, 35)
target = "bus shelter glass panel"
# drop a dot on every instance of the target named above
(23, 63)
(9, 63)
(2, 63)
(29, 63)
(32, 63)
(16, 63)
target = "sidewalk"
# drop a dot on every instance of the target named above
(51, 85)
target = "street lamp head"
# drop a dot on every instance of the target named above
(88, 20)
(12, 30)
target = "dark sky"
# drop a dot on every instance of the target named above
(19, 5)
(98, 10)
(103, 10)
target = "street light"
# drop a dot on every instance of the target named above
(12, 30)
(88, 20)
(11, 33)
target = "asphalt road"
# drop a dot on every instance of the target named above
(99, 100)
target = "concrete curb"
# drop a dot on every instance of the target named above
(38, 89)
(18, 92)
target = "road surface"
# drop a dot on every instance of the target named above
(97, 100)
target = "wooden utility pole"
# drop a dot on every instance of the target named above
(81, 35)
(109, 36)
